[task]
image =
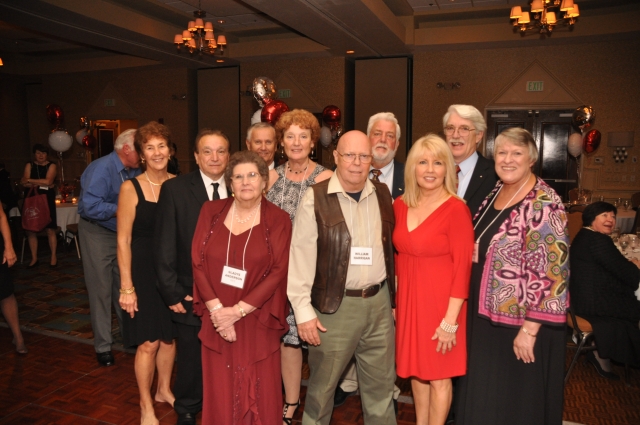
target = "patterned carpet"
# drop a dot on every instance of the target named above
(54, 302)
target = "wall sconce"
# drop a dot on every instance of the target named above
(620, 140)
(448, 86)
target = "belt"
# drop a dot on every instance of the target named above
(96, 223)
(367, 292)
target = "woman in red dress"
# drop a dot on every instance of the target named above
(434, 239)
(240, 257)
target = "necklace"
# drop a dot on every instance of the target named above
(300, 171)
(247, 218)
(150, 182)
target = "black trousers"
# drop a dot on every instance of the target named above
(188, 385)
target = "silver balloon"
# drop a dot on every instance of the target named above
(60, 140)
(583, 117)
(256, 117)
(325, 136)
(264, 90)
(574, 145)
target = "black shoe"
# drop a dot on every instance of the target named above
(341, 396)
(36, 264)
(106, 358)
(186, 419)
(395, 406)
(609, 375)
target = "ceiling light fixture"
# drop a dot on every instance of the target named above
(350, 52)
(199, 38)
(544, 19)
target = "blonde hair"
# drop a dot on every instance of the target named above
(519, 137)
(437, 147)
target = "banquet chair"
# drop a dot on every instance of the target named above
(574, 223)
(72, 233)
(584, 333)
(40, 234)
(635, 201)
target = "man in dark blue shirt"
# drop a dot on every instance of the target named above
(97, 232)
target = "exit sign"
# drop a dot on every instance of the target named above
(109, 102)
(535, 85)
(284, 93)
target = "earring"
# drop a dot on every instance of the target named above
(142, 160)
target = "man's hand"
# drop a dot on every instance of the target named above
(179, 308)
(308, 331)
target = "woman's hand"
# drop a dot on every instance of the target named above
(525, 341)
(225, 317)
(228, 334)
(446, 340)
(9, 257)
(129, 303)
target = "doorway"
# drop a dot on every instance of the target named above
(551, 129)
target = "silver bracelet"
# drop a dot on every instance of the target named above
(448, 328)
(216, 307)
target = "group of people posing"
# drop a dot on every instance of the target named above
(451, 265)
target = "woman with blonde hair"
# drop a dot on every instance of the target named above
(433, 278)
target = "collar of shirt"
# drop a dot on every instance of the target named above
(336, 187)
(387, 175)
(272, 165)
(222, 188)
(466, 169)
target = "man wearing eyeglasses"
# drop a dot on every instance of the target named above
(178, 211)
(464, 127)
(341, 275)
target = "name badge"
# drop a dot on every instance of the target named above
(233, 277)
(43, 187)
(361, 256)
(476, 248)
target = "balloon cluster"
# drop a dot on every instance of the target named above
(266, 94)
(587, 140)
(59, 139)
(84, 136)
(332, 129)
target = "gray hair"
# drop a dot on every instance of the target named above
(519, 137)
(260, 125)
(125, 138)
(467, 112)
(387, 116)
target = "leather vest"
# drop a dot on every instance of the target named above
(334, 246)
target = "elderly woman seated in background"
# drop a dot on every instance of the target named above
(603, 283)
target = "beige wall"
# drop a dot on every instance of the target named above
(603, 75)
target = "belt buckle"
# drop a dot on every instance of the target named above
(367, 291)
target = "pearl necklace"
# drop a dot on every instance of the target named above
(300, 171)
(150, 182)
(247, 218)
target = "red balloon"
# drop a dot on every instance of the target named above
(331, 115)
(55, 116)
(89, 142)
(591, 141)
(271, 111)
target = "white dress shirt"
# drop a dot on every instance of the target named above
(387, 175)
(222, 188)
(466, 170)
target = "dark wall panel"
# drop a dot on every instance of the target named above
(219, 102)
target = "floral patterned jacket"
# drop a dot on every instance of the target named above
(526, 272)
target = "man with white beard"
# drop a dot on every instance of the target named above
(464, 127)
(383, 131)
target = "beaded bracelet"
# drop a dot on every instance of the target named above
(448, 328)
(215, 307)
(128, 291)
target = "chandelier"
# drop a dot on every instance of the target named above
(198, 37)
(544, 18)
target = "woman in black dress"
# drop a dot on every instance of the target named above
(603, 283)
(41, 174)
(148, 323)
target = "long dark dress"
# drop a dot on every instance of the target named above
(603, 283)
(498, 388)
(152, 321)
(40, 172)
(6, 284)
(242, 379)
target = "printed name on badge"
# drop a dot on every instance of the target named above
(361, 256)
(233, 277)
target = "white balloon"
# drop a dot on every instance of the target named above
(256, 118)
(60, 141)
(80, 135)
(325, 136)
(574, 145)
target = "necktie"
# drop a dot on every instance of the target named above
(457, 178)
(215, 195)
(376, 173)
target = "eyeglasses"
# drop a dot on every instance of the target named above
(350, 157)
(462, 130)
(239, 178)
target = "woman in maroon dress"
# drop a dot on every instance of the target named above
(434, 239)
(240, 261)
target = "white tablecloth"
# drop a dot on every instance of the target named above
(67, 213)
(625, 219)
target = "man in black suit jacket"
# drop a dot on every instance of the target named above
(178, 209)
(383, 131)
(464, 127)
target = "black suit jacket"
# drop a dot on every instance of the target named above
(398, 179)
(179, 207)
(483, 180)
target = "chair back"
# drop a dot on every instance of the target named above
(578, 323)
(635, 200)
(574, 220)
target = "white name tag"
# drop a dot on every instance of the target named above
(43, 187)
(233, 277)
(361, 256)
(476, 248)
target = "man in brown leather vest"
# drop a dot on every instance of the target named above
(341, 282)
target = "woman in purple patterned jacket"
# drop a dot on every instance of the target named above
(517, 298)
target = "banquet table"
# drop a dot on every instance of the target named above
(625, 219)
(633, 253)
(67, 213)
